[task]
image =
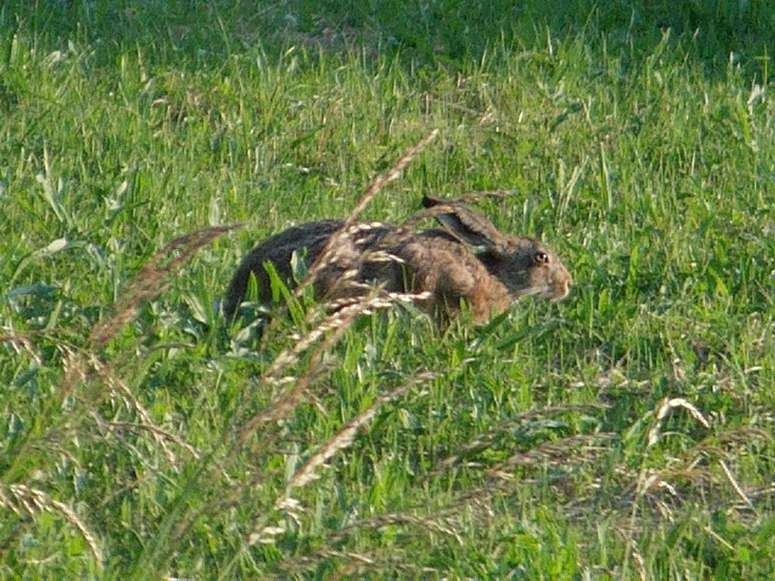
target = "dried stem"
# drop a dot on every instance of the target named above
(20, 499)
(151, 280)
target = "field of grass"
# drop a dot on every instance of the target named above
(625, 433)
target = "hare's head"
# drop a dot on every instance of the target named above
(523, 265)
(527, 268)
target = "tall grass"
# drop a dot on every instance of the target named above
(624, 433)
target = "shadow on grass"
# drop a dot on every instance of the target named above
(425, 34)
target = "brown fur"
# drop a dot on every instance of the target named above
(467, 259)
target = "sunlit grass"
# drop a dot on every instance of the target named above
(623, 433)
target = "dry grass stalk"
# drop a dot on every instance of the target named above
(485, 440)
(139, 428)
(330, 330)
(391, 174)
(738, 490)
(640, 562)
(719, 538)
(20, 498)
(651, 480)
(152, 278)
(347, 266)
(362, 559)
(474, 501)
(119, 386)
(75, 367)
(26, 345)
(148, 284)
(665, 407)
(553, 452)
(331, 253)
(357, 565)
(337, 240)
(346, 435)
(344, 314)
(333, 326)
(744, 435)
(475, 497)
(396, 519)
(441, 522)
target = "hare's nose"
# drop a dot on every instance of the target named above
(562, 290)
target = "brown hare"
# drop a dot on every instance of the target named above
(466, 259)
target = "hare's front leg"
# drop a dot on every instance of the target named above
(448, 276)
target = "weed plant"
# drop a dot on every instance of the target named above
(624, 433)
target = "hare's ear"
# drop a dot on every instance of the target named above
(463, 223)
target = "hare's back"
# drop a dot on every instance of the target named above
(309, 238)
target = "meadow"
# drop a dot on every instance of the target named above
(625, 433)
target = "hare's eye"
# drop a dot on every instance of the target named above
(542, 257)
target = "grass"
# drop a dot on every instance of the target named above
(624, 433)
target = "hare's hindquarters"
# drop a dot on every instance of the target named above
(278, 250)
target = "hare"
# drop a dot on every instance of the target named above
(466, 259)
